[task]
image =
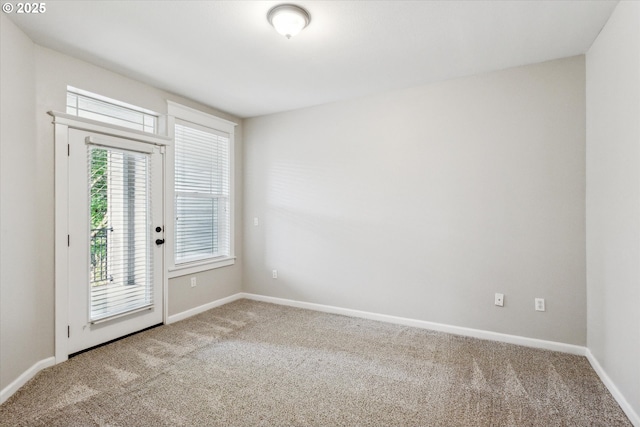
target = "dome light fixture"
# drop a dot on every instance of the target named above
(288, 19)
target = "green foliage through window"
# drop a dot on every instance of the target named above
(98, 194)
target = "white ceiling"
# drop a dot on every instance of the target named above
(225, 54)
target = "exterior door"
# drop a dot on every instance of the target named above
(115, 237)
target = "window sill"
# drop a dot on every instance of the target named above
(197, 267)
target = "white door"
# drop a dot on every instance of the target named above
(115, 238)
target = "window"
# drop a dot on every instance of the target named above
(201, 193)
(202, 190)
(96, 107)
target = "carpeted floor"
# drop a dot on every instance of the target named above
(257, 364)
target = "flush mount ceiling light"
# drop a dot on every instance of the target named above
(288, 19)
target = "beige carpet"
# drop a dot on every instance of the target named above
(256, 364)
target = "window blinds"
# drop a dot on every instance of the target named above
(120, 242)
(201, 193)
(96, 107)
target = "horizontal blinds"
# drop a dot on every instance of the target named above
(97, 109)
(202, 193)
(120, 241)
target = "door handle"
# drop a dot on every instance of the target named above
(159, 242)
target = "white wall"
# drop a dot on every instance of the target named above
(423, 202)
(613, 200)
(26, 312)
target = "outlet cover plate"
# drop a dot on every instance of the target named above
(499, 300)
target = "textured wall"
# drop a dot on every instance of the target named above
(613, 200)
(424, 202)
(26, 311)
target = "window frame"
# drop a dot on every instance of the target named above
(187, 115)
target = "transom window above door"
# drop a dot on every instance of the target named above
(92, 106)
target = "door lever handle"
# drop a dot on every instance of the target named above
(159, 242)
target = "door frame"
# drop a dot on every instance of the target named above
(62, 123)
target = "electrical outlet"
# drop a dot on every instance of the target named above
(540, 304)
(256, 221)
(194, 282)
(499, 300)
(274, 274)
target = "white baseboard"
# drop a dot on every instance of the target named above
(202, 308)
(423, 324)
(8, 391)
(617, 395)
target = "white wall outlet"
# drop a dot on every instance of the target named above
(274, 274)
(540, 304)
(194, 282)
(256, 221)
(499, 300)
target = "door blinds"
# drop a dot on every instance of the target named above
(120, 241)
